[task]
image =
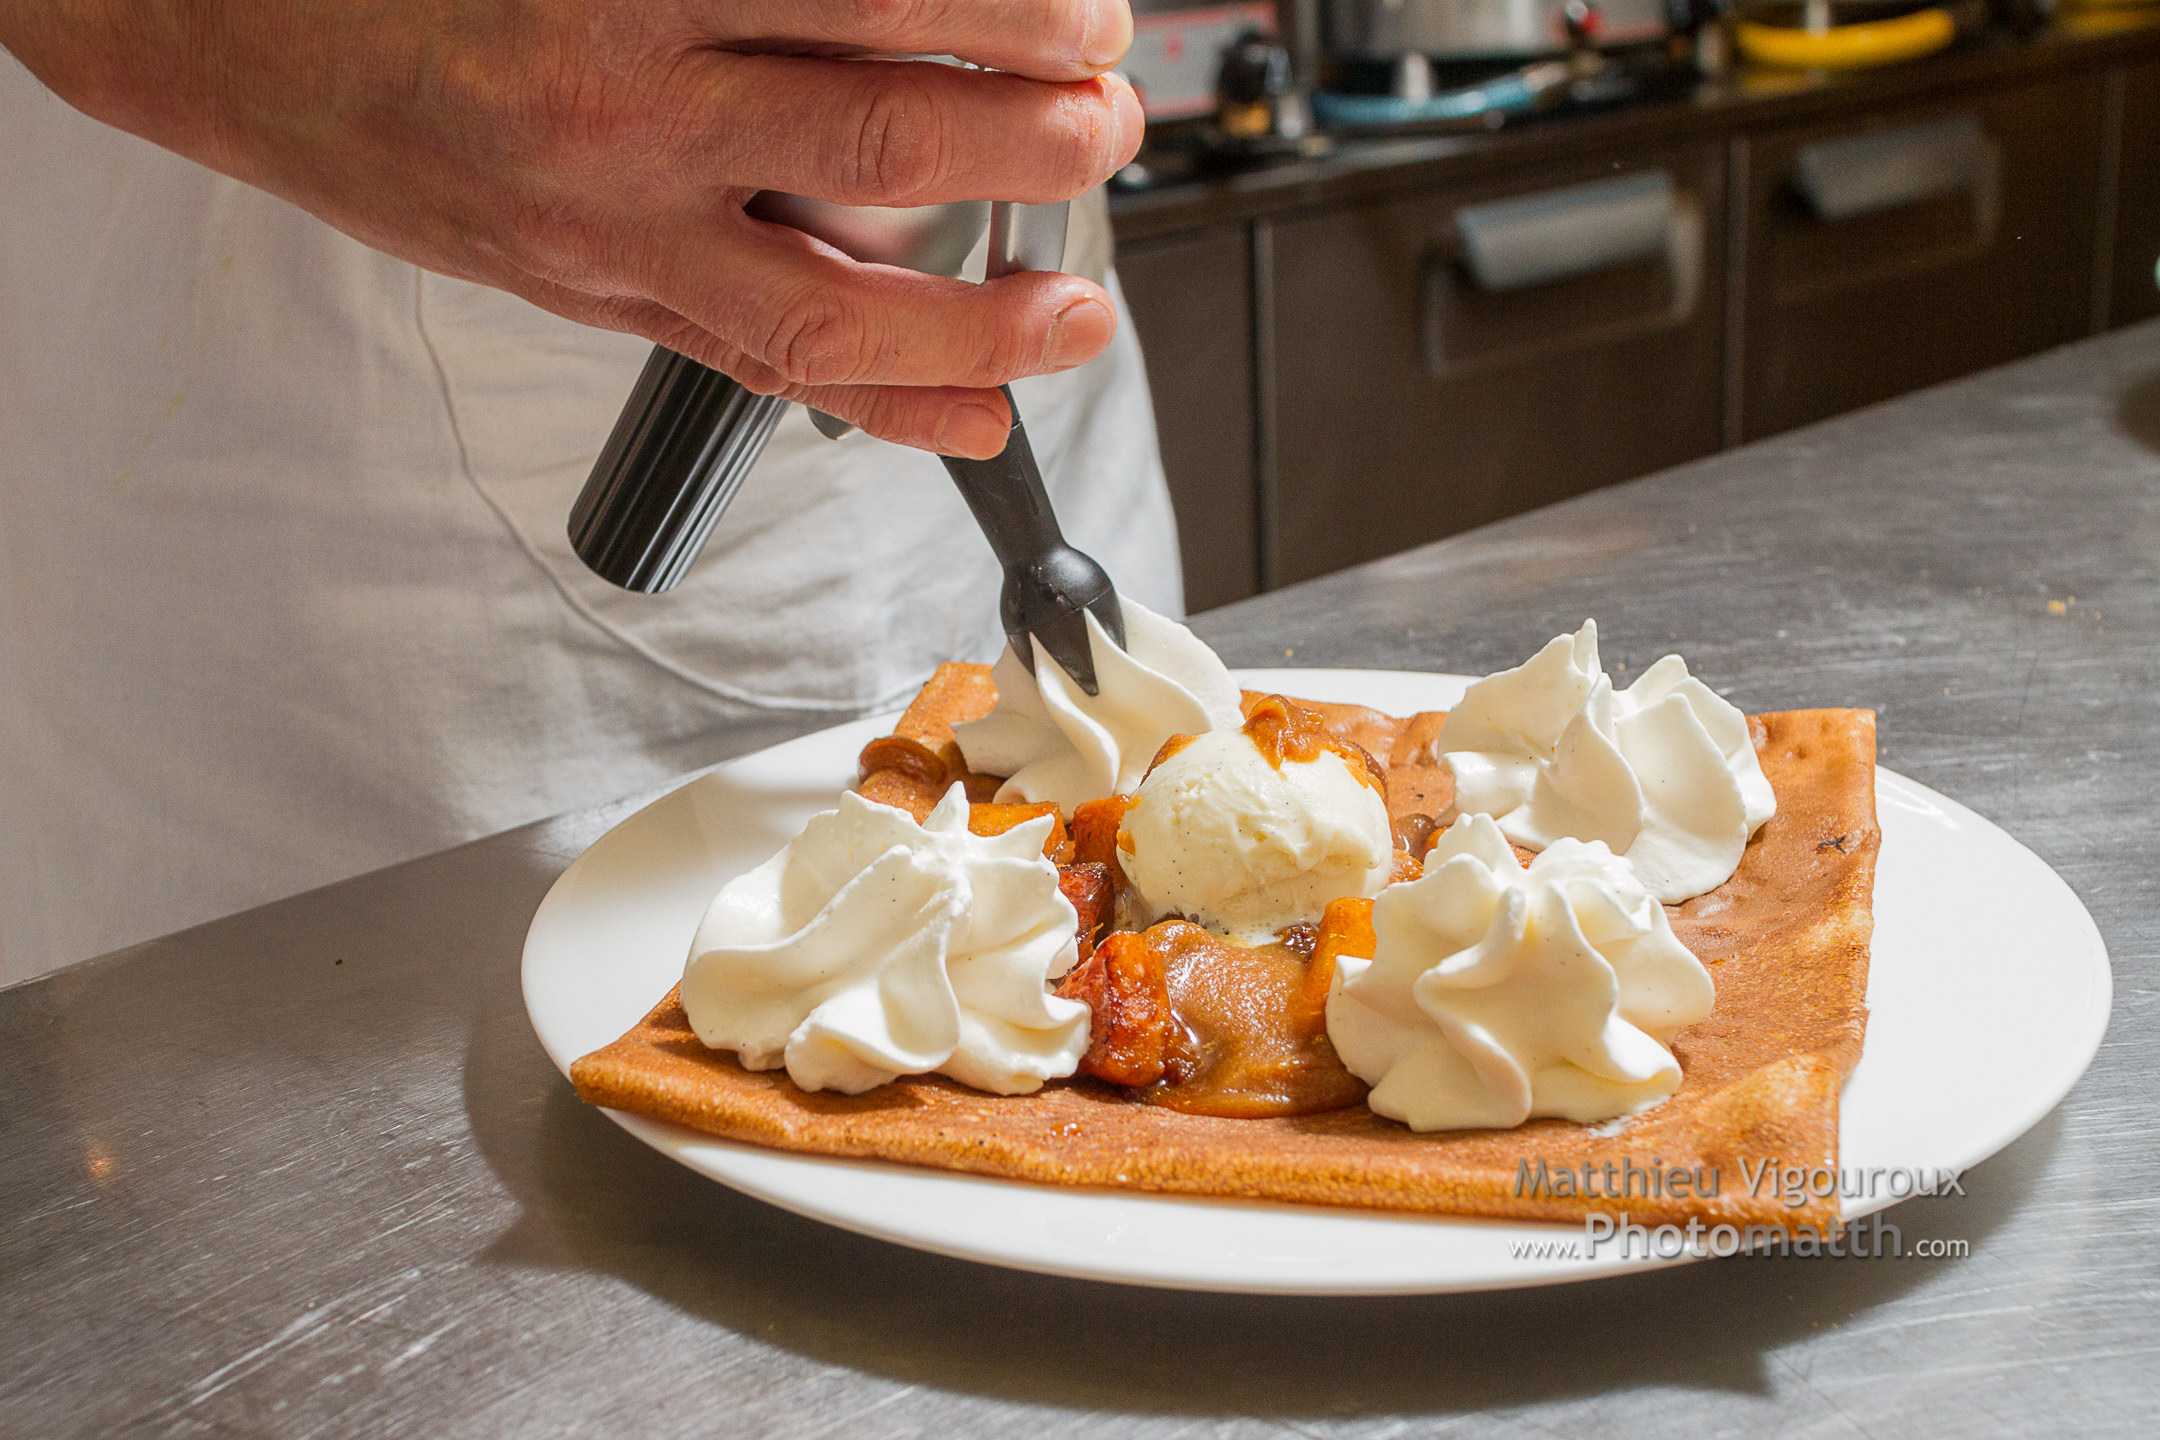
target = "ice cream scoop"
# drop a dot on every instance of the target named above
(1050, 588)
(688, 434)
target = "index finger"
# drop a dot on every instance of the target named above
(1040, 39)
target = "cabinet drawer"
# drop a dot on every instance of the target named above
(1452, 357)
(2134, 293)
(1190, 300)
(1897, 251)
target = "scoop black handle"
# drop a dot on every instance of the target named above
(1050, 588)
(678, 453)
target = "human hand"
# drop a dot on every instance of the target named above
(595, 156)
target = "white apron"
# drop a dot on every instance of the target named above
(284, 589)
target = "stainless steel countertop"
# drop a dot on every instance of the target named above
(306, 1171)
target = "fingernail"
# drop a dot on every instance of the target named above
(1078, 334)
(1109, 34)
(972, 431)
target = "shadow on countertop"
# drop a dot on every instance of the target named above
(597, 1200)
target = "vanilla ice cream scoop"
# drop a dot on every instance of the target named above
(1246, 840)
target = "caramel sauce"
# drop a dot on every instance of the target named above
(1247, 1037)
(1285, 730)
(1169, 748)
(1414, 832)
(1301, 937)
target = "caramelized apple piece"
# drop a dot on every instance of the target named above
(1123, 986)
(912, 768)
(1369, 729)
(1345, 929)
(1094, 828)
(905, 774)
(1087, 887)
(891, 787)
(911, 758)
(997, 819)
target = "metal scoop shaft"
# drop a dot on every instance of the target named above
(1050, 588)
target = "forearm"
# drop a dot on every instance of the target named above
(233, 84)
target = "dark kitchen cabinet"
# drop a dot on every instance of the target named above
(2134, 288)
(1191, 300)
(1431, 372)
(1363, 351)
(1915, 245)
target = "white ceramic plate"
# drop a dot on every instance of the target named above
(1988, 995)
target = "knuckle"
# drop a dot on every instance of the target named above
(811, 339)
(899, 147)
(1010, 348)
(901, 416)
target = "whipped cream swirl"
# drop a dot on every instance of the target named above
(872, 947)
(1058, 743)
(1663, 772)
(1218, 834)
(1495, 994)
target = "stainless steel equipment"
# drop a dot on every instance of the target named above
(1479, 29)
(688, 434)
(1050, 588)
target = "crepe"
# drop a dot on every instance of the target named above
(1785, 940)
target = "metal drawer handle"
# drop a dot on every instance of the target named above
(1885, 169)
(1484, 299)
(1576, 230)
